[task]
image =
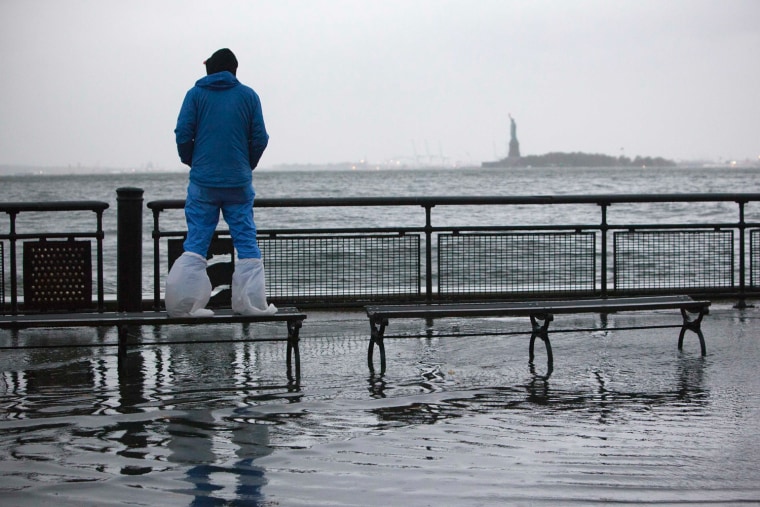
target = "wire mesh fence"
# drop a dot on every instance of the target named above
(656, 260)
(364, 267)
(2, 278)
(754, 249)
(557, 262)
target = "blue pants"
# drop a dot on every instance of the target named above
(202, 208)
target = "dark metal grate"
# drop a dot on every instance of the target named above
(2, 280)
(57, 275)
(754, 258)
(516, 262)
(673, 259)
(341, 267)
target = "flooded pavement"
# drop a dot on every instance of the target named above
(458, 418)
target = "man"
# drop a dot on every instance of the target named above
(221, 135)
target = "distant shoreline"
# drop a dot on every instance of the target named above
(13, 170)
(580, 159)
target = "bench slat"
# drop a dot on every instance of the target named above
(123, 320)
(528, 308)
(138, 318)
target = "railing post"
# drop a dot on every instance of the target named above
(99, 242)
(742, 303)
(603, 228)
(129, 249)
(428, 254)
(14, 280)
(156, 264)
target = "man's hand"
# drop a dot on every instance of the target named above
(185, 151)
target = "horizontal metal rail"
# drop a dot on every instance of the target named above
(424, 201)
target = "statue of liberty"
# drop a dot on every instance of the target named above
(514, 144)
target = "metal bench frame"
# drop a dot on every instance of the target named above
(124, 320)
(541, 314)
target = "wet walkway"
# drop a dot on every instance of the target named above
(458, 418)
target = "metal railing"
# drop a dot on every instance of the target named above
(53, 266)
(429, 257)
(509, 260)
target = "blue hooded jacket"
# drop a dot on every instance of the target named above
(220, 131)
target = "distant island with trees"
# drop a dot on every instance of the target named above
(575, 159)
(578, 159)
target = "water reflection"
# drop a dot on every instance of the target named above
(217, 424)
(216, 447)
(179, 412)
(603, 404)
(218, 457)
(377, 385)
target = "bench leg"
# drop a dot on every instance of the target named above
(377, 328)
(693, 324)
(294, 326)
(541, 330)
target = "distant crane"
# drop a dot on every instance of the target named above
(416, 156)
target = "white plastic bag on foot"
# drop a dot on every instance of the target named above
(188, 287)
(249, 294)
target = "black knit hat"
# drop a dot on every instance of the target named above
(221, 60)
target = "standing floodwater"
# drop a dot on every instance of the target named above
(456, 420)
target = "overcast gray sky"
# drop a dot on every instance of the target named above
(100, 82)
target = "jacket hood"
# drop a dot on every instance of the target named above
(218, 81)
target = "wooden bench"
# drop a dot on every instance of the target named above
(123, 320)
(541, 313)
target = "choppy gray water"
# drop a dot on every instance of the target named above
(424, 182)
(458, 419)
